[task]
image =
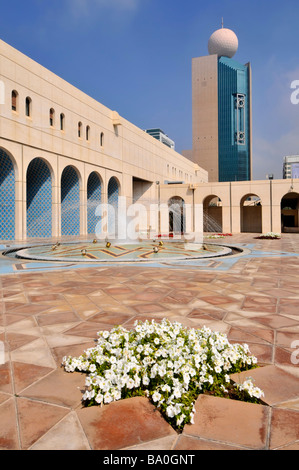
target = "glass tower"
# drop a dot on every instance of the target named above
(221, 111)
(233, 120)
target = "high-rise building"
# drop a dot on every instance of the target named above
(162, 137)
(291, 167)
(221, 111)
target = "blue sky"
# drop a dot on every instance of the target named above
(135, 56)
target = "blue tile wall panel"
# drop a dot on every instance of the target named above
(39, 199)
(70, 202)
(113, 194)
(7, 197)
(94, 195)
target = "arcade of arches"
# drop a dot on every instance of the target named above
(253, 207)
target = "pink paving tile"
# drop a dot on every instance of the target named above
(5, 378)
(218, 299)
(284, 428)
(259, 304)
(26, 374)
(229, 421)
(59, 387)
(8, 426)
(275, 321)
(251, 335)
(137, 421)
(36, 418)
(193, 443)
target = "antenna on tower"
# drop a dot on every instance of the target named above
(222, 22)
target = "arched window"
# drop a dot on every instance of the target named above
(79, 129)
(14, 100)
(87, 132)
(51, 117)
(62, 122)
(102, 139)
(28, 105)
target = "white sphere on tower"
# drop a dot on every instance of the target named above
(224, 43)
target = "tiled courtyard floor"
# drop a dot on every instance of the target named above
(46, 315)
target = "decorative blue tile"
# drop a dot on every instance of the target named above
(7, 197)
(39, 199)
(94, 194)
(113, 194)
(70, 202)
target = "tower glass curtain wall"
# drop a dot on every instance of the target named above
(234, 120)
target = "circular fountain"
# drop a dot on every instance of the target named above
(120, 252)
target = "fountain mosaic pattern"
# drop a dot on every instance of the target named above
(133, 252)
(7, 197)
(39, 199)
(70, 202)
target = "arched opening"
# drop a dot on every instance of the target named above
(212, 214)
(28, 106)
(94, 196)
(290, 213)
(62, 122)
(14, 100)
(79, 129)
(113, 195)
(39, 199)
(102, 139)
(251, 214)
(7, 197)
(87, 133)
(177, 219)
(51, 117)
(70, 202)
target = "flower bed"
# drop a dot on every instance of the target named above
(170, 364)
(219, 235)
(269, 236)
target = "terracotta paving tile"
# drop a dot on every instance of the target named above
(164, 443)
(5, 378)
(215, 314)
(110, 318)
(65, 435)
(137, 421)
(56, 318)
(275, 321)
(59, 387)
(260, 303)
(251, 335)
(16, 340)
(26, 374)
(185, 442)
(230, 421)
(283, 356)
(284, 428)
(277, 385)
(8, 426)
(89, 329)
(149, 308)
(286, 338)
(217, 299)
(36, 418)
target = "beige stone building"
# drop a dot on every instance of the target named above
(65, 159)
